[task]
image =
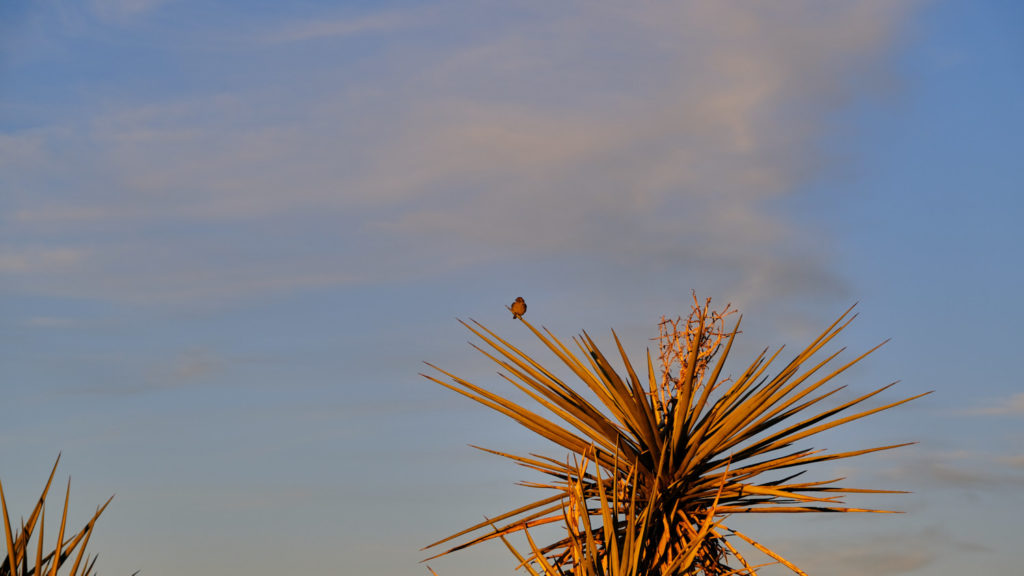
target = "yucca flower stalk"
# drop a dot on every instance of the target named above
(46, 561)
(675, 453)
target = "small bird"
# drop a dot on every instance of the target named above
(518, 308)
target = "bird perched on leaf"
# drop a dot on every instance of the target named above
(518, 308)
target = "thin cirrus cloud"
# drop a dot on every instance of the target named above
(870, 554)
(48, 322)
(39, 261)
(961, 470)
(624, 134)
(119, 9)
(1009, 406)
(319, 28)
(1014, 461)
(191, 367)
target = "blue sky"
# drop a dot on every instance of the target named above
(230, 233)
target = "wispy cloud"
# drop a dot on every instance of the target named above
(34, 260)
(889, 555)
(959, 469)
(1015, 461)
(62, 214)
(20, 149)
(48, 322)
(662, 152)
(1010, 406)
(320, 28)
(184, 368)
(120, 9)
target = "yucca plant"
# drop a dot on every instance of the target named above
(674, 454)
(46, 561)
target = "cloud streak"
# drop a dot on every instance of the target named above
(865, 554)
(1011, 406)
(960, 470)
(325, 28)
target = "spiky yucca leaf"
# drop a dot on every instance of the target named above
(681, 449)
(620, 546)
(17, 542)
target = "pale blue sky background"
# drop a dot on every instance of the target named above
(231, 231)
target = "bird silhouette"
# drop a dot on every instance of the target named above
(518, 308)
